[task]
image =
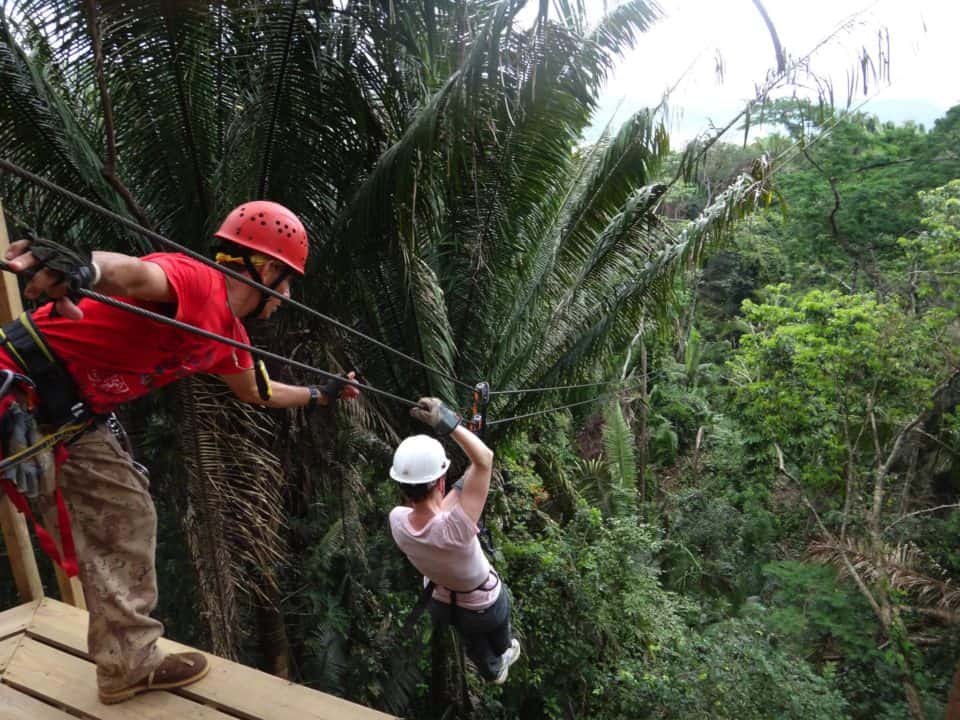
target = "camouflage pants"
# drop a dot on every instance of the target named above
(115, 530)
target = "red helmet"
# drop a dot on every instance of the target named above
(267, 228)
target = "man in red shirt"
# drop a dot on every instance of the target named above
(104, 356)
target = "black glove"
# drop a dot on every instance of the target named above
(431, 411)
(77, 268)
(330, 389)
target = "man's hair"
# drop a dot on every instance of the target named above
(417, 493)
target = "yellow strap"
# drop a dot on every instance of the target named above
(261, 371)
(12, 350)
(47, 441)
(222, 257)
(28, 324)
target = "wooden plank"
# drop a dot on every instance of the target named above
(7, 648)
(16, 537)
(15, 620)
(71, 683)
(237, 689)
(19, 706)
(60, 625)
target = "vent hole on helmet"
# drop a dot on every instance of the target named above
(263, 222)
(261, 214)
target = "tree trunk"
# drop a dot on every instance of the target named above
(644, 410)
(895, 630)
(272, 635)
(953, 703)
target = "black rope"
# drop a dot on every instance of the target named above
(113, 302)
(150, 234)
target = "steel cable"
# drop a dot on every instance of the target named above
(143, 312)
(596, 398)
(150, 234)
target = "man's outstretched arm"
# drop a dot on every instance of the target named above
(244, 386)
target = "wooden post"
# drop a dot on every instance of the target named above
(16, 536)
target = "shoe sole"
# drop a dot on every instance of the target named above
(122, 695)
(498, 681)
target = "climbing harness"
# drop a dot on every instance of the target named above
(49, 394)
(28, 461)
(59, 400)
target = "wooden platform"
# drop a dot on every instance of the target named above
(45, 674)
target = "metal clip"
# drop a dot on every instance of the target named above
(483, 391)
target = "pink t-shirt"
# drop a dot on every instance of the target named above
(447, 551)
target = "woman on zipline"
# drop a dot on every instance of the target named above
(86, 359)
(438, 534)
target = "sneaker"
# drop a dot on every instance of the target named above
(175, 671)
(506, 660)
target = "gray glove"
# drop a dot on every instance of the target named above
(77, 269)
(36, 474)
(431, 411)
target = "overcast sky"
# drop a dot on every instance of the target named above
(685, 46)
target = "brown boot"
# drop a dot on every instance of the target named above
(175, 671)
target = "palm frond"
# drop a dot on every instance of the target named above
(618, 446)
(903, 566)
(236, 509)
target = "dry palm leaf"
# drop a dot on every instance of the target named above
(903, 566)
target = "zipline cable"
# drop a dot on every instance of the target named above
(553, 409)
(143, 312)
(150, 234)
(523, 391)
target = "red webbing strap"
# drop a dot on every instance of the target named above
(68, 563)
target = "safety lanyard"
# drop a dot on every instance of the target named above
(68, 562)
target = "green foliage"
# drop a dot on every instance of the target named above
(934, 254)
(813, 366)
(810, 611)
(602, 573)
(733, 671)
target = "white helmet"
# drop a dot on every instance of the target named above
(419, 460)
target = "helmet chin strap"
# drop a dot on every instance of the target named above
(256, 276)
